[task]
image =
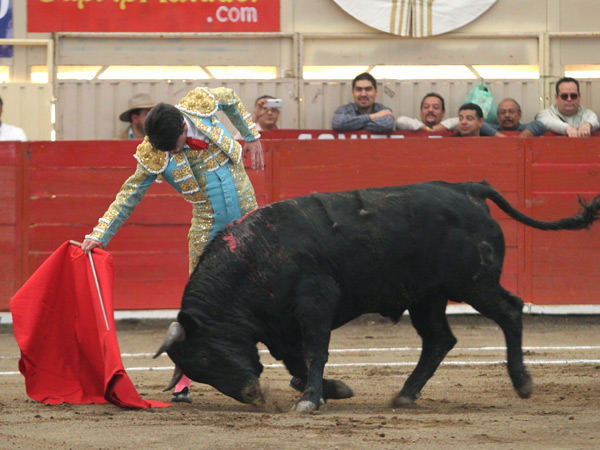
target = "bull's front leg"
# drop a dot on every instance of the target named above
(312, 396)
(315, 304)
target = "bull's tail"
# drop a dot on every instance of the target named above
(584, 219)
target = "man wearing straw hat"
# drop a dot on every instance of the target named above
(139, 106)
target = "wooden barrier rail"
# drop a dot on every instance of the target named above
(55, 191)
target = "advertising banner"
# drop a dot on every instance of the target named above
(146, 16)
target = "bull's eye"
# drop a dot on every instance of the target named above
(202, 357)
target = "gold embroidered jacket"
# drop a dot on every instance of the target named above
(183, 170)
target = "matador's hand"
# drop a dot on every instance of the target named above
(89, 244)
(256, 153)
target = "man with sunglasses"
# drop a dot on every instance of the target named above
(567, 116)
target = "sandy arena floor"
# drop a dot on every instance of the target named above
(469, 403)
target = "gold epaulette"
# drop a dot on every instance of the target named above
(152, 159)
(199, 102)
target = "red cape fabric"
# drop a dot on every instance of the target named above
(67, 353)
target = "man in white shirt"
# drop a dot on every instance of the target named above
(10, 132)
(567, 116)
(433, 110)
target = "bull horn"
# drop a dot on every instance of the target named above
(177, 374)
(175, 333)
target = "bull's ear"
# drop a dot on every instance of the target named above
(174, 333)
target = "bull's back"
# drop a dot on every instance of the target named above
(382, 242)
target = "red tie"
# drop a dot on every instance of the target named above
(196, 144)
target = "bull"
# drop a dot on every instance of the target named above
(288, 274)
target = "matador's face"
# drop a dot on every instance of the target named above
(180, 140)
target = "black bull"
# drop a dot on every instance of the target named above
(289, 273)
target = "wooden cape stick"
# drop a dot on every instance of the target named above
(97, 284)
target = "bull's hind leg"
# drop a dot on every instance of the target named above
(506, 310)
(332, 389)
(429, 319)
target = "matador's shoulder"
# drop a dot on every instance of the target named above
(151, 159)
(199, 102)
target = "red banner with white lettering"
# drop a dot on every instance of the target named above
(145, 16)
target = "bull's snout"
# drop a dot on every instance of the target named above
(252, 394)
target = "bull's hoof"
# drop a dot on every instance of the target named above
(305, 406)
(336, 390)
(404, 401)
(526, 389)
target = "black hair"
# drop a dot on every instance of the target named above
(164, 125)
(472, 107)
(436, 95)
(365, 76)
(261, 97)
(567, 80)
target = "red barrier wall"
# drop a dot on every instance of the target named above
(52, 192)
(13, 220)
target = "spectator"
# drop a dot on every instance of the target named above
(192, 150)
(470, 120)
(139, 106)
(364, 113)
(10, 132)
(509, 119)
(433, 109)
(567, 116)
(263, 116)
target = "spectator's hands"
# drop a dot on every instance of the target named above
(382, 113)
(584, 130)
(89, 244)
(439, 128)
(526, 134)
(256, 153)
(572, 131)
(259, 109)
